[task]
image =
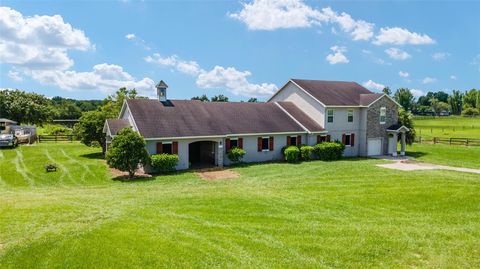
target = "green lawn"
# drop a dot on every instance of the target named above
(452, 126)
(461, 156)
(344, 214)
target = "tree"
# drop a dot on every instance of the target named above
(219, 98)
(89, 128)
(127, 151)
(439, 106)
(253, 100)
(455, 100)
(405, 98)
(470, 98)
(202, 98)
(387, 91)
(406, 118)
(441, 96)
(24, 107)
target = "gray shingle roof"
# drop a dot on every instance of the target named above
(337, 93)
(116, 125)
(301, 117)
(185, 118)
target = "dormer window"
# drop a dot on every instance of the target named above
(383, 115)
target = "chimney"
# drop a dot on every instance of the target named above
(162, 91)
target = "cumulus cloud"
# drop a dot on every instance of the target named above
(400, 36)
(453, 77)
(403, 74)
(397, 54)
(372, 85)
(428, 80)
(103, 77)
(219, 77)
(337, 57)
(439, 56)
(38, 42)
(417, 93)
(130, 36)
(15, 76)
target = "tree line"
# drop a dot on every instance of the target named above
(433, 103)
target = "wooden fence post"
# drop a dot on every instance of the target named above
(467, 141)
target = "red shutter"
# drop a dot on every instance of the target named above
(259, 144)
(270, 146)
(227, 144)
(299, 140)
(288, 140)
(328, 138)
(343, 139)
(174, 147)
(352, 140)
(159, 148)
(319, 139)
(240, 142)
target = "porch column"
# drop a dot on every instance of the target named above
(220, 153)
(402, 143)
(395, 139)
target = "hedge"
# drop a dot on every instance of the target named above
(292, 154)
(329, 151)
(164, 162)
(235, 154)
(307, 153)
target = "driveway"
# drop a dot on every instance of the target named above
(411, 165)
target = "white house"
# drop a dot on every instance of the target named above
(301, 112)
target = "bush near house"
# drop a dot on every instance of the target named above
(292, 154)
(235, 154)
(329, 151)
(164, 162)
(127, 151)
(307, 152)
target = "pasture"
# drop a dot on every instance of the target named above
(447, 127)
(343, 214)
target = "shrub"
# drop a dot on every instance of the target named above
(306, 152)
(235, 154)
(329, 151)
(164, 162)
(470, 112)
(292, 154)
(127, 151)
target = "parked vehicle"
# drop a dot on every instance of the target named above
(24, 134)
(8, 140)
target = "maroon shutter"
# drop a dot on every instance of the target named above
(259, 144)
(227, 144)
(352, 140)
(159, 148)
(288, 140)
(319, 139)
(343, 139)
(240, 142)
(270, 146)
(174, 147)
(328, 138)
(299, 140)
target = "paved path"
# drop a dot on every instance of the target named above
(409, 165)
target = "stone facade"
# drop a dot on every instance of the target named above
(374, 128)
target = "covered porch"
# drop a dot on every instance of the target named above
(393, 132)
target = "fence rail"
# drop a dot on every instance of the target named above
(56, 138)
(448, 141)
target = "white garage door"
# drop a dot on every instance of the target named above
(374, 146)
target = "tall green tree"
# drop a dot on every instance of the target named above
(253, 100)
(406, 118)
(219, 98)
(127, 151)
(23, 107)
(439, 106)
(202, 98)
(470, 98)
(387, 91)
(455, 100)
(405, 98)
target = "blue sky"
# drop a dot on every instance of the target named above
(86, 50)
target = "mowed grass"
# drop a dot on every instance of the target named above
(461, 156)
(343, 214)
(447, 127)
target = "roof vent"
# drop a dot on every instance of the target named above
(162, 91)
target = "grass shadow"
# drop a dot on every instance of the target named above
(126, 179)
(415, 154)
(95, 155)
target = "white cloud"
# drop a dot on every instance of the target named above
(104, 77)
(440, 56)
(428, 80)
(130, 36)
(15, 76)
(453, 77)
(372, 85)
(358, 29)
(337, 57)
(417, 93)
(476, 61)
(397, 54)
(403, 74)
(38, 42)
(400, 36)
(219, 77)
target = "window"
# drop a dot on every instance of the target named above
(330, 115)
(350, 115)
(2, 126)
(348, 139)
(167, 147)
(233, 143)
(293, 140)
(383, 115)
(265, 144)
(321, 139)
